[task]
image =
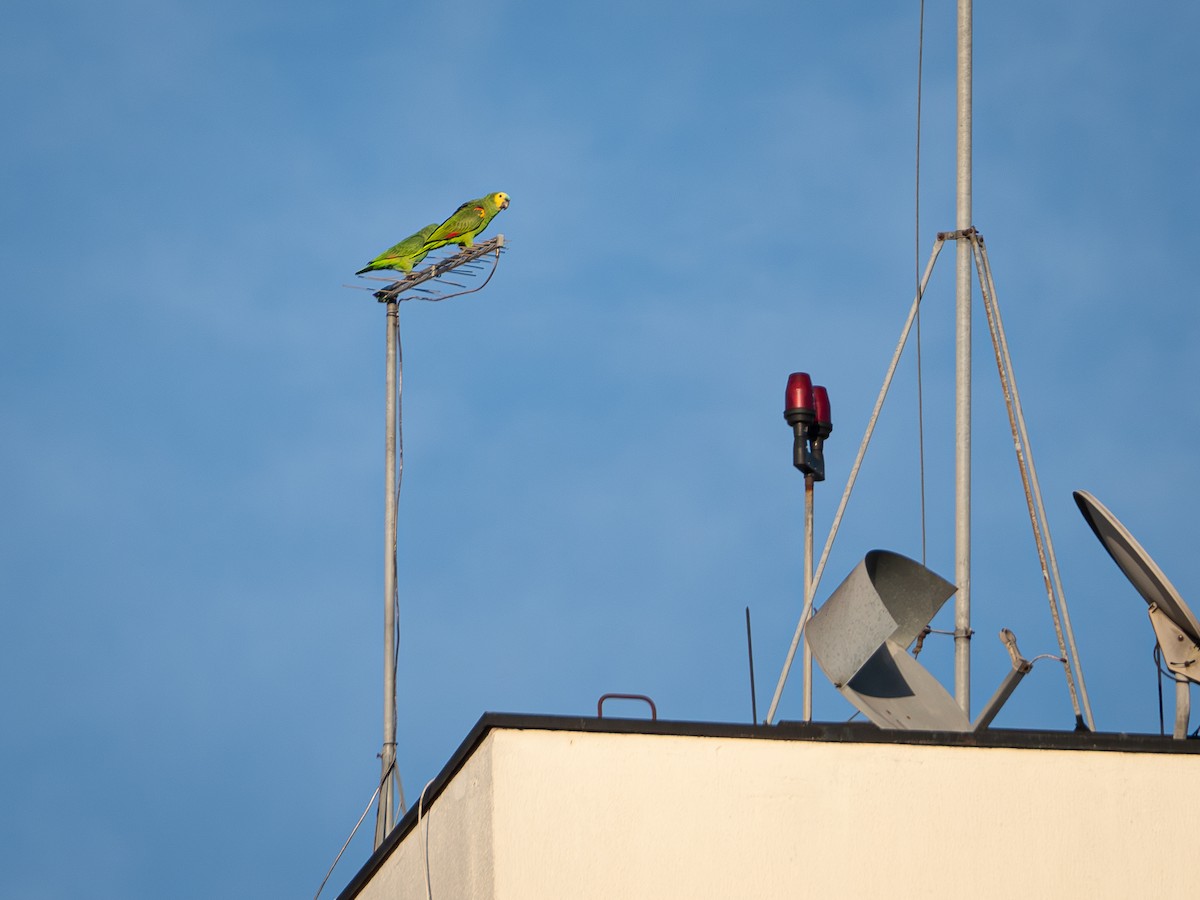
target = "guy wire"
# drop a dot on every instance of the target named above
(917, 272)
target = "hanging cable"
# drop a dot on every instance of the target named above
(917, 274)
(1162, 725)
(424, 837)
(440, 297)
(395, 540)
(1166, 673)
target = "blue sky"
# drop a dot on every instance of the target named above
(705, 197)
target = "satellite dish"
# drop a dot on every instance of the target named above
(1175, 626)
(860, 638)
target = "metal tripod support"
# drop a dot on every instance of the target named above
(1038, 520)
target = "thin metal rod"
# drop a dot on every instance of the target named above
(385, 816)
(1183, 709)
(1019, 446)
(992, 708)
(806, 650)
(750, 653)
(862, 452)
(353, 831)
(962, 426)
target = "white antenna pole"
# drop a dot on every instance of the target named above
(385, 818)
(391, 789)
(962, 470)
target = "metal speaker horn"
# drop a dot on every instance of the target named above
(860, 638)
(861, 635)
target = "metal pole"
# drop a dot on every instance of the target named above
(1183, 708)
(962, 469)
(750, 654)
(386, 815)
(808, 572)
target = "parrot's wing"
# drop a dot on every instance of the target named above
(414, 242)
(411, 245)
(466, 219)
(408, 252)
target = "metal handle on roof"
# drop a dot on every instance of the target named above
(642, 697)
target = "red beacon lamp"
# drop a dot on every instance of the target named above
(806, 409)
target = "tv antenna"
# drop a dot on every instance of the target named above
(431, 283)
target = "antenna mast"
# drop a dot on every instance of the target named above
(431, 284)
(970, 252)
(389, 779)
(962, 468)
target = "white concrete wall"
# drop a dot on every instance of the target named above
(457, 832)
(566, 815)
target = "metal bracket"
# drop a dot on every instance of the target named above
(1180, 652)
(1020, 668)
(1182, 656)
(967, 233)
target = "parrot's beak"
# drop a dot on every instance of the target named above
(504, 205)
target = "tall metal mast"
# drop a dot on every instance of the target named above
(430, 284)
(385, 818)
(970, 254)
(962, 468)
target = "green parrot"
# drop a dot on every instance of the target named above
(405, 254)
(468, 220)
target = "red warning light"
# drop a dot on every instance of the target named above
(799, 394)
(821, 403)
